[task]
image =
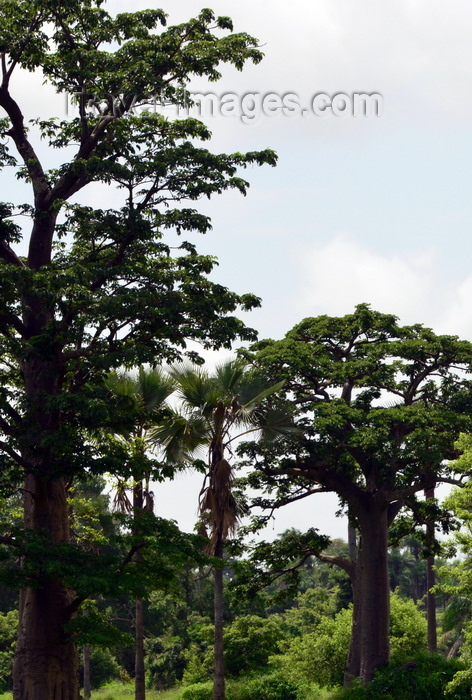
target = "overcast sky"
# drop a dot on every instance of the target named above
(359, 209)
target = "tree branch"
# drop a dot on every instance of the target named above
(39, 181)
(9, 255)
(346, 564)
(13, 454)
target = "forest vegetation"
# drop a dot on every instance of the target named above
(102, 395)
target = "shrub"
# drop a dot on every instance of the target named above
(165, 661)
(319, 656)
(408, 630)
(103, 667)
(198, 691)
(270, 687)
(8, 631)
(248, 643)
(425, 678)
(199, 665)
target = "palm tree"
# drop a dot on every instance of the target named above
(147, 392)
(216, 410)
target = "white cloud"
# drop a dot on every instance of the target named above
(458, 319)
(344, 273)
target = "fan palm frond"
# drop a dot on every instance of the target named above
(229, 375)
(180, 437)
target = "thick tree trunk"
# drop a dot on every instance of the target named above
(353, 663)
(374, 590)
(219, 668)
(352, 669)
(87, 681)
(46, 660)
(430, 583)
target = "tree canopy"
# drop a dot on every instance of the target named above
(380, 406)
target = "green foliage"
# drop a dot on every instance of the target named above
(125, 691)
(8, 631)
(264, 687)
(319, 655)
(198, 691)
(311, 607)
(249, 642)
(425, 678)
(281, 559)
(103, 667)
(408, 630)
(164, 661)
(91, 626)
(169, 623)
(199, 665)
(455, 578)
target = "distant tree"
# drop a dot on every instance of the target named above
(407, 568)
(380, 406)
(455, 580)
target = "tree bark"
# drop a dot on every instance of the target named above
(373, 588)
(431, 607)
(46, 660)
(139, 679)
(87, 682)
(219, 668)
(353, 663)
(430, 582)
(139, 673)
(352, 669)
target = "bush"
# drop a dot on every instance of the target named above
(426, 678)
(319, 656)
(103, 667)
(8, 632)
(165, 662)
(408, 630)
(198, 691)
(266, 687)
(270, 687)
(248, 643)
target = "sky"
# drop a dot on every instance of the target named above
(373, 209)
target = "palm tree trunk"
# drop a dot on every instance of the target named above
(139, 677)
(139, 674)
(219, 669)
